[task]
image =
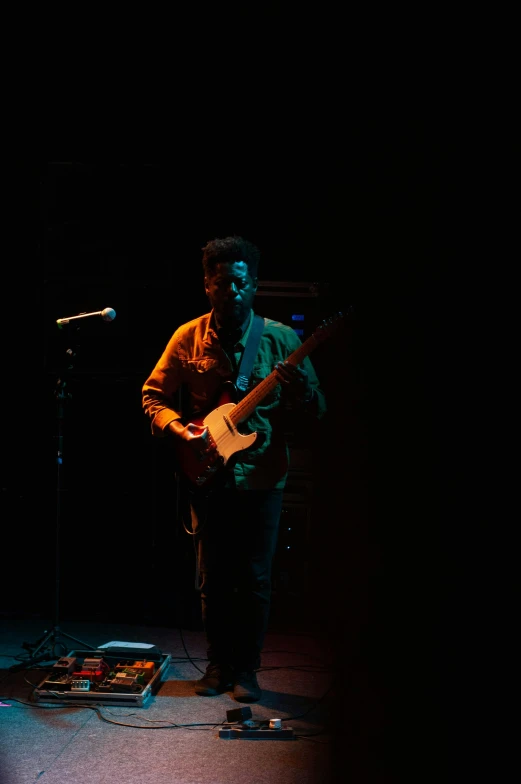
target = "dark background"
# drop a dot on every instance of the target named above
(367, 219)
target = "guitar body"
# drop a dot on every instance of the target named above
(223, 436)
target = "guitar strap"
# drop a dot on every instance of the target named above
(250, 351)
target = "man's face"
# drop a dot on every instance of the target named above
(231, 291)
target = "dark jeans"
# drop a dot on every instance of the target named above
(236, 535)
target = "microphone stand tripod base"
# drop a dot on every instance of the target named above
(50, 641)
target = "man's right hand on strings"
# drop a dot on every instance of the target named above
(197, 437)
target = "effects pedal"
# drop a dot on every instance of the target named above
(64, 666)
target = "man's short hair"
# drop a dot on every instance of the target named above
(233, 248)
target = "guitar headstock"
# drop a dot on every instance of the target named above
(329, 325)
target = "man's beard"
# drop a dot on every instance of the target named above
(233, 315)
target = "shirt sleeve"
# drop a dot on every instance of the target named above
(159, 390)
(318, 406)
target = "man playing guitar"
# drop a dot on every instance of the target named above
(232, 453)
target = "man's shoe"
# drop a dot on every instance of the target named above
(246, 688)
(217, 678)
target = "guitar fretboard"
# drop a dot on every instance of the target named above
(248, 404)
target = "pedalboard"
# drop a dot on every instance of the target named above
(94, 674)
(102, 676)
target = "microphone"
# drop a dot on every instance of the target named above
(108, 314)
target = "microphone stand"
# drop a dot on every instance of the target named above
(52, 638)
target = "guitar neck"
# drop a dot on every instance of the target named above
(248, 404)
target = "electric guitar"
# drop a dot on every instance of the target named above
(225, 442)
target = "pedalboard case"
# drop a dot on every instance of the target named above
(115, 676)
